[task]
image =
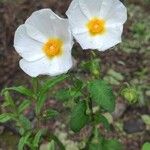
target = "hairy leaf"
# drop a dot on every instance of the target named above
(23, 141)
(6, 117)
(20, 89)
(25, 122)
(79, 117)
(50, 113)
(37, 138)
(102, 94)
(25, 104)
(112, 145)
(101, 119)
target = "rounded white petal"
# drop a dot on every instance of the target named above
(111, 38)
(62, 30)
(77, 18)
(46, 66)
(91, 8)
(27, 47)
(113, 11)
(102, 42)
(39, 24)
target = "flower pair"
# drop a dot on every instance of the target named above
(45, 40)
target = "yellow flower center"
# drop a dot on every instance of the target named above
(96, 26)
(53, 47)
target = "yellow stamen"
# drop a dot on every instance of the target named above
(96, 26)
(53, 47)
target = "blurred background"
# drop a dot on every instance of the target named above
(128, 62)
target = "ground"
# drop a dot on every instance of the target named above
(127, 62)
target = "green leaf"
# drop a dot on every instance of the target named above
(8, 99)
(97, 141)
(37, 138)
(25, 122)
(45, 88)
(78, 84)
(25, 104)
(50, 83)
(67, 94)
(78, 117)
(40, 102)
(51, 145)
(146, 146)
(101, 119)
(95, 145)
(6, 117)
(48, 146)
(112, 145)
(23, 141)
(63, 95)
(102, 94)
(20, 89)
(50, 113)
(93, 66)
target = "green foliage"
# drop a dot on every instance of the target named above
(50, 113)
(25, 122)
(71, 93)
(20, 89)
(51, 145)
(96, 144)
(101, 119)
(112, 145)
(37, 138)
(24, 105)
(78, 117)
(40, 102)
(8, 99)
(130, 94)
(23, 141)
(146, 146)
(102, 94)
(67, 94)
(49, 84)
(100, 143)
(93, 66)
(6, 117)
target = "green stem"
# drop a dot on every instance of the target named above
(60, 144)
(55, 138)
(90, 108)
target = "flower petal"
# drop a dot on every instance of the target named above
(113, 11)
(46, 66)
(27, 47)
(91, 8)
(111, 38)
(87, 41)
(62, 30)
(101, 42)
(39, 24)
(77, 18)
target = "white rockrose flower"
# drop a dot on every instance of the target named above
(97, 24)
(45, 44)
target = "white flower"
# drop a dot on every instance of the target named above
(45, 43)
(97, 24)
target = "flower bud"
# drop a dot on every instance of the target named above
(130, 94)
